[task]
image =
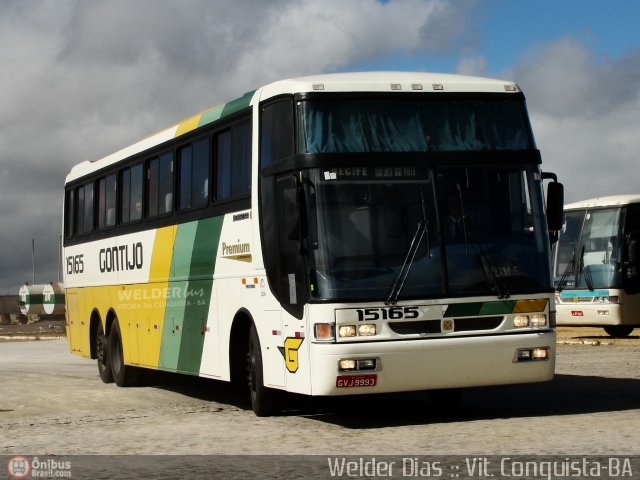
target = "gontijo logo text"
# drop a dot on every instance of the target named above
(121, 258)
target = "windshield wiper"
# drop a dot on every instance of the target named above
(587, 273)
(492, 272)
(463, 221)
(401, 278)
(565, 274)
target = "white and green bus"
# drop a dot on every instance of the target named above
(331, 235)
(595, 265)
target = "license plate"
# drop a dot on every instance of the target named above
(348, 381)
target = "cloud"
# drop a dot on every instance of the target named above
(472, 65)
(585, 110)
(83, 78)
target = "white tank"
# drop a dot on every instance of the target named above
(30, 299)
(53, 299)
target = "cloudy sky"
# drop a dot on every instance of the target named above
(80, 79)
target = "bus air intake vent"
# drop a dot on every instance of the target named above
(477, 323)
(415, 328)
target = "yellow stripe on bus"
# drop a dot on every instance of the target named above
(150, 319)
(189, 124)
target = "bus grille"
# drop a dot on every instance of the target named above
(434, 326)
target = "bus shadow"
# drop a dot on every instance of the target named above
(205, 389)
(565, 395)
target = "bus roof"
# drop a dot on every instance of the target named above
(610, 201)
(393, 82)
(387, 82)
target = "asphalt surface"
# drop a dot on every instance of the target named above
(53, 403)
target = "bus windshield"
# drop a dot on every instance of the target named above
(589, 249)
(454, 231)
(414, 125)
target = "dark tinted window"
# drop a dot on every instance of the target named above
(107, 202)
(233, 157)
(160, 185)
(84, 209)
(131, 198)
(194, 174)
(69, 209)
(276, 141)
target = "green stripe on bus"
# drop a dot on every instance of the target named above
(211, 115)
(220, 111)
(237, 104)
(203, 261)
(176, 302)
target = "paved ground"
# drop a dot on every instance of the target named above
(53, 403)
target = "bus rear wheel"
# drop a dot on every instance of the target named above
(264, 401)
(123, 375)
(619, 331)
(102, 356)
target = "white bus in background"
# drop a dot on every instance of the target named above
(595, 265)
(331, 235)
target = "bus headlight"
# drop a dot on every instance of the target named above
(347, 331)
(363, 330)
(532, 354)
(520, 321)
(540, 353)
(538, 320)
(367, 330)
(347, 365)
(358, 364)
(606, 299)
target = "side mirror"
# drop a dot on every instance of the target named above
(631, 280)
(555, 204)
(632, 248)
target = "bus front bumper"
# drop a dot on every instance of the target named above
(426, 364)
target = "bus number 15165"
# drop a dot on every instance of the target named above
(75, 264)
(387, 313)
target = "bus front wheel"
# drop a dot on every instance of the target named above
(123, 375)
(264, 401)
(102, 356)
(619, 331)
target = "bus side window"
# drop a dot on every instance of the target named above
(69, 214)
(194, 174)
(84, 209)
(276, 141)
(131, 194)
(160, 185)
(233, 156)
(107, 202)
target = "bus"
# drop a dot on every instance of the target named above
(339, 234)
(595, 265)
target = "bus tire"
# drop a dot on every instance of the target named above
(264, 401)
(102, 356)
(123, 375)
(618, 331)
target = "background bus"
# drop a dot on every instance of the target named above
(595, 265)
(331, 235)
